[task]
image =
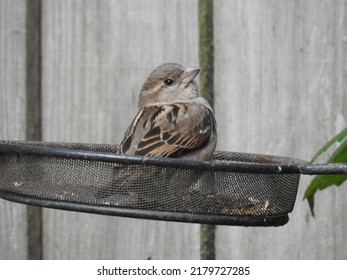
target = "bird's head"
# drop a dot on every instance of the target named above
(170, 82)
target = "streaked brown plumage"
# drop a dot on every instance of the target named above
(173, 120)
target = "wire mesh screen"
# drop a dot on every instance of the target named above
(71, 174)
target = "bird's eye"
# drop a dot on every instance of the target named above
(168, 82)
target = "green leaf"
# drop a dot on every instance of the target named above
(321, 182)
(338, 138)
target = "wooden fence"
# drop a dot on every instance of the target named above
(280, 79)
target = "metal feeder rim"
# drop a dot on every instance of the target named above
(260, 221)
(324, 169)
(89, 152)
(213, 165)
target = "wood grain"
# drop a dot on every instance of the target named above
(13, 243)
(33, 114)
(280, 86)
(96, 55)
(206, 60)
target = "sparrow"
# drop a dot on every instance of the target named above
(172, 121)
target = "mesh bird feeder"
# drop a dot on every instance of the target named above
(231, 189)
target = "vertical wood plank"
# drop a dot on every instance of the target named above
(33, 116)
(280, 88)
(206, 59)
(13, 243)
(33, 70)
(96, 55)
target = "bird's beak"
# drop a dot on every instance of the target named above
(189, 74)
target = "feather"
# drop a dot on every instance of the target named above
(172, 130)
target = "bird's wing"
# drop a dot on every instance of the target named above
(168, 130)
